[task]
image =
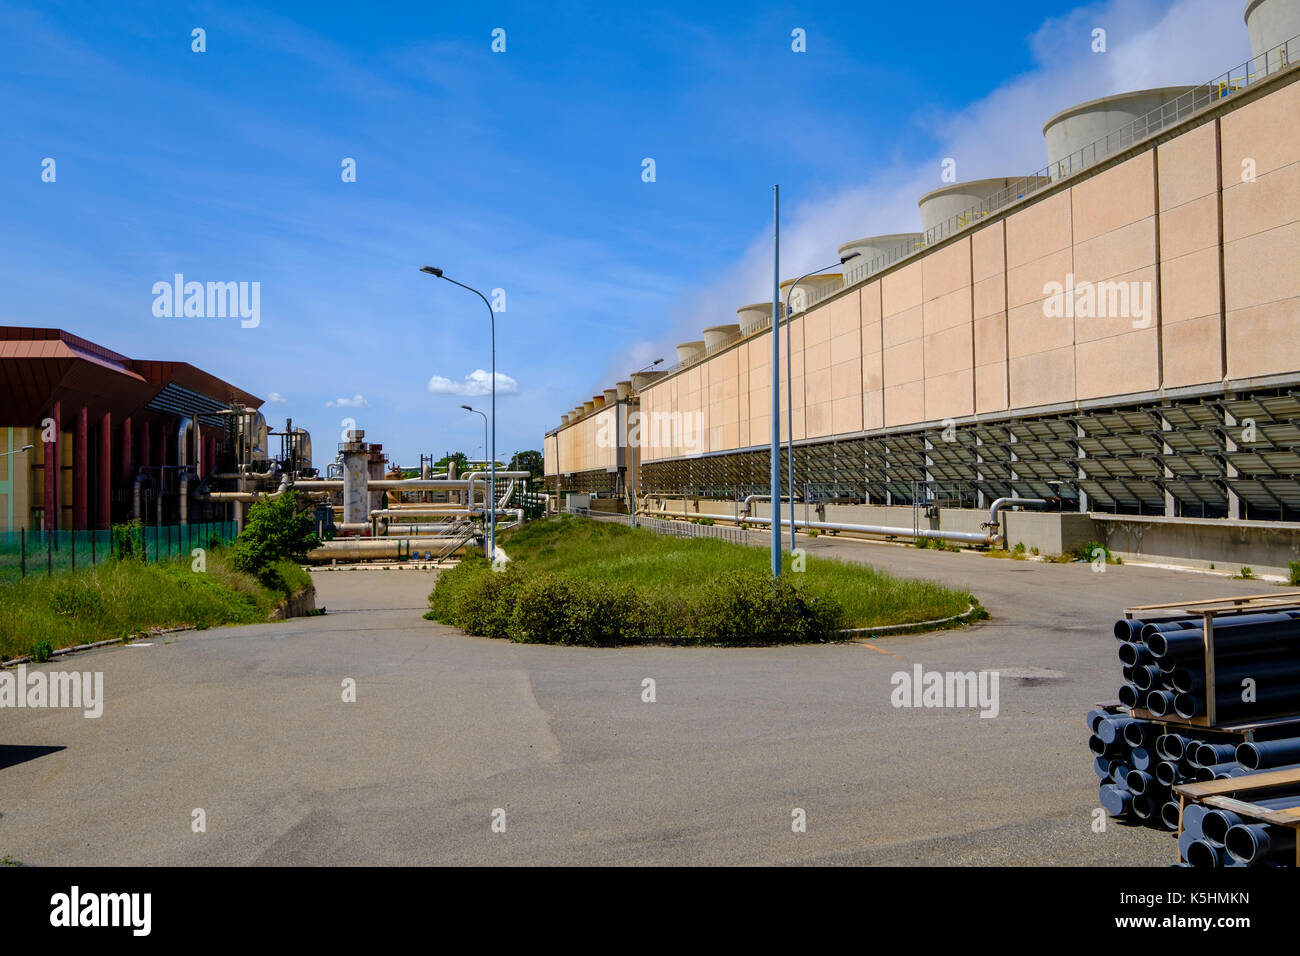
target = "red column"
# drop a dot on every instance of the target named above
(52, 470)
(146, 446)
(128, 472)
(104, 500)
(79, 489)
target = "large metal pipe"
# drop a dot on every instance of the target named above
(969, 537)
(1191, 680)
(1207, 755)
(1117, 801)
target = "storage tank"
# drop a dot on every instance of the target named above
(641, 380)
(1082, 135)
(1273, 23)
(720, 336)
(624, 389)
(877, 252)
(611, 396)
(588, 407)
(754, 317)
(811, 290)
(252, 438)
(302, 445)
(688, 352)
(564, 419)
(952, 208)
(598, 401)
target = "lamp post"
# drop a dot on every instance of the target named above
(17, 451)
(776, 382)
(649, 367)
(490, 556)
(492, 472)
(789, 381)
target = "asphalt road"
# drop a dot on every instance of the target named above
(249, 725)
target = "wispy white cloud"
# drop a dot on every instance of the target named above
(356, 401)
(275, 398)
(477, 382)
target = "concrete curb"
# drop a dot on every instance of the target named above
(90, 647)
(885, 629)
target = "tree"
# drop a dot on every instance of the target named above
(275, 530)
(529, 461)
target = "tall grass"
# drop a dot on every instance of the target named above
(118, 598)
(615, 553)
(671, 581)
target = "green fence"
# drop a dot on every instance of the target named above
(27, 553)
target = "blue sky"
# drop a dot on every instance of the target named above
(518, 170)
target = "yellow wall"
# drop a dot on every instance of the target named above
(973, 327)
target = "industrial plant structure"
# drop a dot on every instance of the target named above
(90, 438)
(1117, 334)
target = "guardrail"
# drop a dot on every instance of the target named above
(676, 529)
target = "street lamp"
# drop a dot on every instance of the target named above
(648, 367)
(789, 381)
(17, 451)
(485, 435)
(492, 472)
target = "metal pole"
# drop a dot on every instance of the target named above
(776, 381)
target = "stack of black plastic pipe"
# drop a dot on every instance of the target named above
(1257, 675)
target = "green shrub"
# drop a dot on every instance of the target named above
(552, 609)
(127, 540)
(42, 651)
(1247, 573)
(750, 608)
(1084, 552)
(1294, 568)
(276, 530)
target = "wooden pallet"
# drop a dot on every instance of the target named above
(1207, 609)
(1233, 793)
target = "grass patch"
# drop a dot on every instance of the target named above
(576, 581)
(120, 598)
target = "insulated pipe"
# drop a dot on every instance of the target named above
(1094, 716)
(1101, 766)
(141, 476)
(967, 536)
(1262, 754)
(1001, 503)
(1142, 759)
(1129, 695)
